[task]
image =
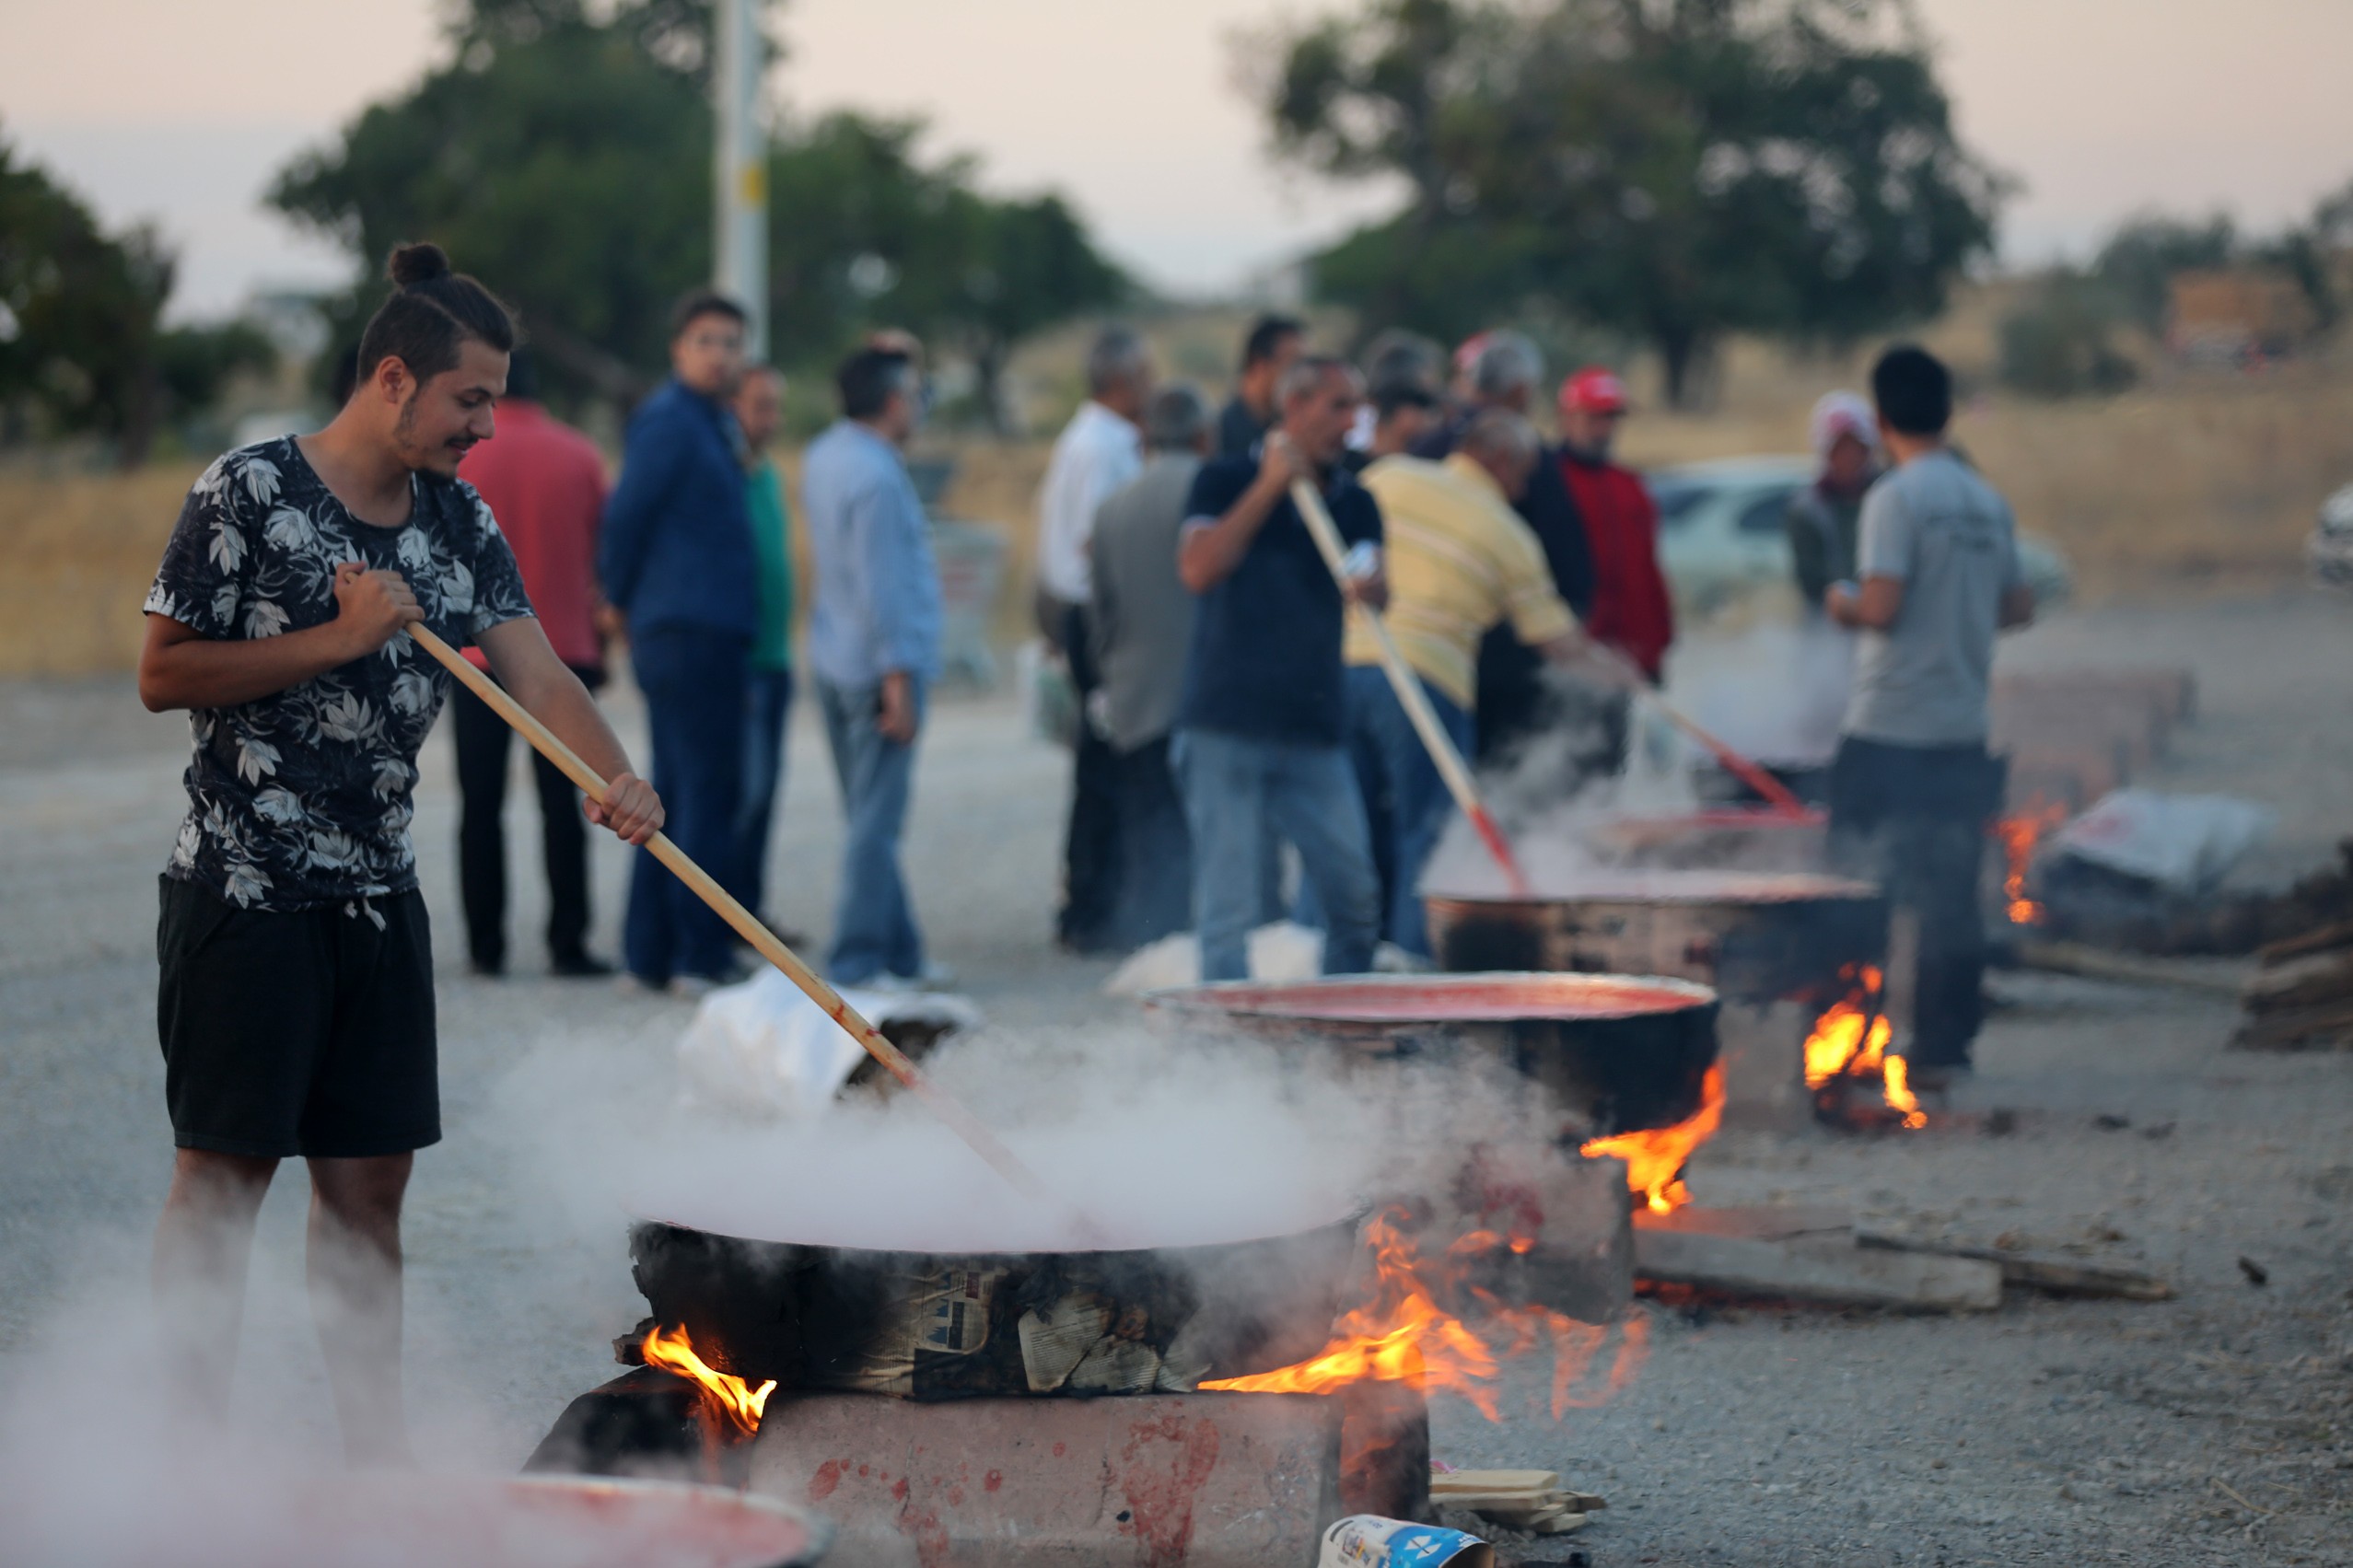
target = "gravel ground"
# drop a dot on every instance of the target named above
(2214, 1427)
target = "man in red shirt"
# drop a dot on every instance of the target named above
(545, 483)
(1631, 611)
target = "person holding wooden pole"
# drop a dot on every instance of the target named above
(1459, 562)
(295, 999)
(1260, 738)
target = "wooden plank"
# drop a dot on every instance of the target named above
(1827, 1270)
(2098, 963)
(2319, 940)
(2307, 981)
(1758, 1222)
(1492, 1482)
(2051, 1275)
(2315, 1027)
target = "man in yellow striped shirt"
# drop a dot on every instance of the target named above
(1459, 561)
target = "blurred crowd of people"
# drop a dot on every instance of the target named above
(690, 557)
(1234, 710)
(1231, 704)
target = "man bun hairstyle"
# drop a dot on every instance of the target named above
(429, 315)
(413, 264)
(1912, 389)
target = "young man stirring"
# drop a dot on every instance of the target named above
(295, 1002)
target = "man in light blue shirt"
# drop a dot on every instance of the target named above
(873, 649)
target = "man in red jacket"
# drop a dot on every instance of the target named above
(545, 483)
(1631, 611)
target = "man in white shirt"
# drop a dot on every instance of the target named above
(1099, 451)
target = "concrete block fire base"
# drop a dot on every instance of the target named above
(1207, 1481)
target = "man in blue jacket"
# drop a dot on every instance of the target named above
(676, 559)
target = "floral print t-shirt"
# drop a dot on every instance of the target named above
(301, 799)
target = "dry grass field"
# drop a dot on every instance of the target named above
(2194, 481)
(77, 552)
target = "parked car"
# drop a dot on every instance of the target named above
(1722, 537)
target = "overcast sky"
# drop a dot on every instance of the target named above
(177, 111)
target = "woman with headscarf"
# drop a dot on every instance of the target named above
(1826, 517)
(1825, 522)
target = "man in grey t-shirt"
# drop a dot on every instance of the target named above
(1913, 786)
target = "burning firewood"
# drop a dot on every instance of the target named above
(1655, 1157)
(1426, 1323)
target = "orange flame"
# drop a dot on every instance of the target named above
(1850, 1040)
(1403, 1334)
(1898, 1078)
(1654, 1157)
(1851, 1037)
(743, 1404)
(2019, 835)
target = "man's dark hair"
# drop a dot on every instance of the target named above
(1389, 397)
(342, 376)
(1266, 335)
(1399, 357)
(428, 317)
(868, 378)
(695, 304)
(1176, 419)
(523, 375)
(1912, 389)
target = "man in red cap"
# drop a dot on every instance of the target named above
(1631, 611)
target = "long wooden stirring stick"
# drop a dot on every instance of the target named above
(1408, 687)
(1748, 771)
(986, 1144)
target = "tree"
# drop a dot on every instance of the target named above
(2138, 260)
(2057, 342)
(1677, 168)
(862, 234)
(563, 157)
(81, 333)
(558, 158)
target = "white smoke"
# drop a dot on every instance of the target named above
(1775, 692)
(1145, 1139)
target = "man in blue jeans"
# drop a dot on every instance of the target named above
(676, 559)
(873, 647)
(1260, 735)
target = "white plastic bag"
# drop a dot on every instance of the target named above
(764, 1048)
(2182, 842)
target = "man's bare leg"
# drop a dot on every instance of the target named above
(354, 1271)
(203, 1247)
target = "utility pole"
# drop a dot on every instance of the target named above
(739, 212)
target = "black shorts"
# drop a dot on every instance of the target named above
(305, 1033)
